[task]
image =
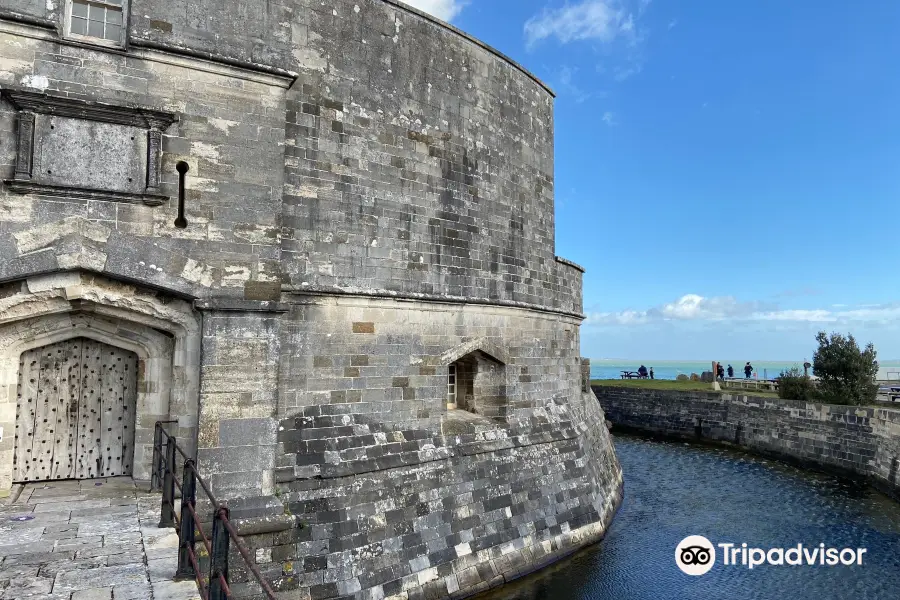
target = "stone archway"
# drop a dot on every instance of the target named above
(162, 332)
(477, 378)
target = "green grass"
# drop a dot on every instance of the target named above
(668, 384)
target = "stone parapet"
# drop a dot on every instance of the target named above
(859, 441)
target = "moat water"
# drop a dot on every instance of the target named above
(673, 490)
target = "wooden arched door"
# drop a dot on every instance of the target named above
(75, 411)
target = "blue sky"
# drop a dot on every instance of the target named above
(727, 172)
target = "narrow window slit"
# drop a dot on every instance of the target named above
(182, 168)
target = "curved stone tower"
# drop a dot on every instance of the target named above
(318, 236)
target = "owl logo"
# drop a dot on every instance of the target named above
(695, 555)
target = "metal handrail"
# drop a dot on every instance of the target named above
(215, 585)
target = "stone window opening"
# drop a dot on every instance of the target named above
(476, 384)
(97, 21)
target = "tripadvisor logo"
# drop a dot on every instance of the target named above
(696, 555)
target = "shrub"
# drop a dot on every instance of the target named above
(682, 377)
(794, 385)
(695, 377)
(846, 373)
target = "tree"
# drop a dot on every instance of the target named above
(846, 373)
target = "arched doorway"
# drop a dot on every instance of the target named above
(163, 331)
(476, 383)
(75, 411)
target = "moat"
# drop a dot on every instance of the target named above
(673, 490)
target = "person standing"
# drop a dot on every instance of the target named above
(651, 372)
(720, 372)
(730, 372)
(748, 369)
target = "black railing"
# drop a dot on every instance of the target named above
(215, 585)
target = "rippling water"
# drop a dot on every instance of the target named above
(673, 490)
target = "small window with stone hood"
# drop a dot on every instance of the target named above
(97, 21)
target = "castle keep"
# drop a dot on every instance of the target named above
(318, 236)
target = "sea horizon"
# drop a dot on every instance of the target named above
(611, 368)
(690, 360)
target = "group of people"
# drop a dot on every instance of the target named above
(645, 373)
(748, 371)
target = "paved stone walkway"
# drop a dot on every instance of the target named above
(87, 540)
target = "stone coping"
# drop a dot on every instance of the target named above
(569, 263)
(886, 412)
(474, 40)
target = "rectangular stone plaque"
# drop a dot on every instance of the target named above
(90, 154)
(84, 149)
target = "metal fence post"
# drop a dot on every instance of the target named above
(167, 512)
(218, 560)
(186, 538)
(157, 455)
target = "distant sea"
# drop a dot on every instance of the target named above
(606, 368)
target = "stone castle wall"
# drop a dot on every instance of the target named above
(368, 199)
(424, 152)
(863, 441)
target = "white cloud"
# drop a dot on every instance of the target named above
(879, 314)
(692, 307)
(603, 20)
(442, 9)
(623, 73)
(613, 31)
(569, 87)
(689, 307)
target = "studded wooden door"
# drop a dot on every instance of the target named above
(76, 411)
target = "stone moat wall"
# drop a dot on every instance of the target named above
(862, 441)
(367, 202)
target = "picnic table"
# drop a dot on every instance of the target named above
(632, 375)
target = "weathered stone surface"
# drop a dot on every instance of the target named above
(864, 441)
(104, 593)
(104, 576)
(87, 567)
(135, 592)
(349, 241)
(172, 590)
(16, 536)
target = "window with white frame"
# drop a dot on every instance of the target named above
(451, 387)
(98, 20)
